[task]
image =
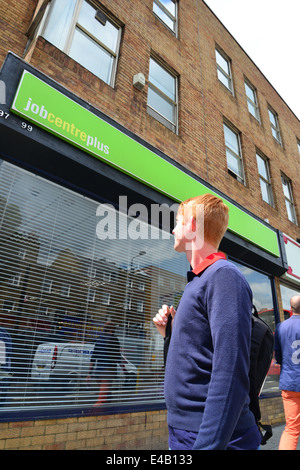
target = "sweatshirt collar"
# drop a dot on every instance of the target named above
(207, 262)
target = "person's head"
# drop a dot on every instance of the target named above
(295, 304)
(206, 216)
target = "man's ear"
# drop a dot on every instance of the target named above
(191, 225)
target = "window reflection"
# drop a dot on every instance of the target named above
(66, 287)
(263, 300)
(287, 293)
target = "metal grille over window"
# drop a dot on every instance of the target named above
(80, 284)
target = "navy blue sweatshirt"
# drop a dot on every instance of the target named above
(206, 377)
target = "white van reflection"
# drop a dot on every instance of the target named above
(64, 367)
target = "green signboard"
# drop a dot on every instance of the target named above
(60, 115)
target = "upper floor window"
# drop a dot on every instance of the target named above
(274, 125)
(224, 70)
(289, 200)
(298, 144)
(252, 100)
(166, 10)
(233, 153)
(265, 179)
(162, 95)
(85, 34)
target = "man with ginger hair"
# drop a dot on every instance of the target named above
(207, 365)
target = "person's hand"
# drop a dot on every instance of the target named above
(161, 318)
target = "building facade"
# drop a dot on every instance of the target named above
(111, 113)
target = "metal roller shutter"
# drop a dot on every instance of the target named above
(80, 285)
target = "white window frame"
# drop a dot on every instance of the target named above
(65, 290)
(74, 24)
(227, 74)
(289, 200)
(91, 295)
(264, 180)
(106, 297)
(43, 311)
(166, 12)
(106, 276)
(47, 286)
(252, 103)
(238, 156)
(173, 126)
(8, 302)
(91, 272)
(22, 253)
(298, 145)
(274, 125)
(15, 280)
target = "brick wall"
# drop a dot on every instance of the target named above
(15, 17)
(272, 411)
(132, 431)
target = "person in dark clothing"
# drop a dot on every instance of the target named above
(105, 357)
(207, 366)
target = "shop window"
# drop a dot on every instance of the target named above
(166, 10)
(251, 95)
(224, 70)
(47, 286)
(261, 286)
(62, 308)
(91, 295)
(162, 95)
(234, 153)
(106, 298)
(65, 290)
(274, 125)
(15, 280)
(107, 277)
(264, 179)
(287, 292)
(8, 305)
(86, 34)
(91, 272)
(289, 200)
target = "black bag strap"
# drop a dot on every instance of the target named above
(167, 338)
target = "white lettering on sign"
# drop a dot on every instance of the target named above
(67, 127)
(296, 354)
